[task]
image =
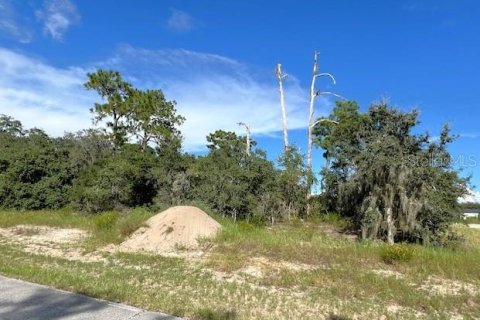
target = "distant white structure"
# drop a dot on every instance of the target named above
(471, 197)
(471, 213)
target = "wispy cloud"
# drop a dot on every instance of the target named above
(42, 96)
(11, 24)
(473, 196)
(180, 21)
(213, 92)
(57, 17)
(470, 135)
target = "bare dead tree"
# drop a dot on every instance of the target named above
(280, 77)
(312, 122)
(247, 128)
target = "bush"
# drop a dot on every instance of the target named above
(397, 253)
(122, 181)
(334, 219)
(132, 221)
(106, 221)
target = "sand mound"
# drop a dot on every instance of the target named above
(173, 228)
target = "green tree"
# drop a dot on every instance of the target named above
(229, 180)
(153, 118)
(115, 110)
(125, 179)
(34, 171)
(293, 181)
(383, 175)
(11, 126)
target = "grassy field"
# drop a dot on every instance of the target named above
(292, 271)
(472, 220)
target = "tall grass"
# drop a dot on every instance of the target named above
(53, 218)
(310, 245)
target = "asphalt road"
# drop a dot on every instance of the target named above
(20, 300)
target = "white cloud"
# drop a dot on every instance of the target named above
(469, 135)
(11, 25)
(180, 21)
(215, 92)
(212, 92)
(57, 17)
(473, 196)
(42, 96)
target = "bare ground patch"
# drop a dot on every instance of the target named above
(50, 241)
(439, 286)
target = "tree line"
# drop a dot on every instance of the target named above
(377, 171)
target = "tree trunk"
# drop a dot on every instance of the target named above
(116, 118)
(247, 128)
(390, 226)
(280, 77)
(248, 141)
(310, 132)
(144, 142)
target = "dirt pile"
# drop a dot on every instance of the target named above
(177, 227)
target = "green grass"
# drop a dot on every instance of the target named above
(333, 219)
(471, 220)
(54, 218)
(306, 272)
(344, 268)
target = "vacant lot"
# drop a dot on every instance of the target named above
(293, 271)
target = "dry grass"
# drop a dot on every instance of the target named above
(299, 271)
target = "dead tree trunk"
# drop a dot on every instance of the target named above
(311, 119)
(247, 128)
(390, 226)
(312, 123)
(280, 77)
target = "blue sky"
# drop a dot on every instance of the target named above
(216, 59)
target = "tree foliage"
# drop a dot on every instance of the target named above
(115, 110)
(153, 118)
(229, 180)
(394, 183)
(34, 171)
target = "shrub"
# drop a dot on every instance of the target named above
(106, 221)
(133, 220)
(397, 253)
(334, 219)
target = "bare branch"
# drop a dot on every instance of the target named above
(326, 74)
(319, 93)
(323, 120)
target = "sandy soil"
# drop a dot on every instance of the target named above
(176, 228)
(49, 241)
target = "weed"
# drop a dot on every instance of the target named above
(397, 253)
(333, 219)
(208, 314)
(106, 221)
(130, 222)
